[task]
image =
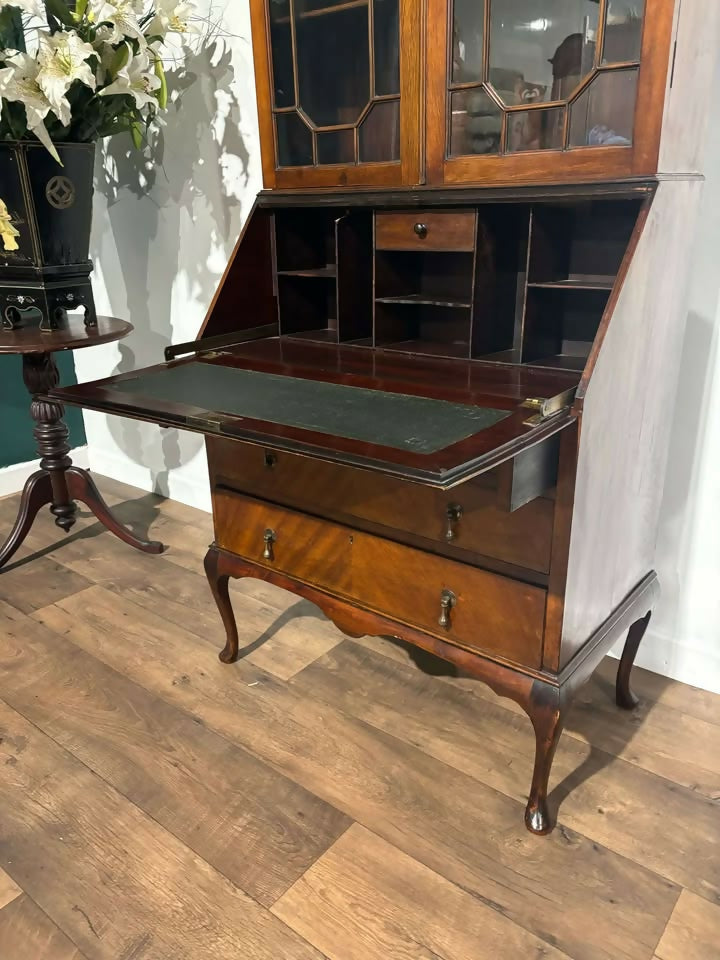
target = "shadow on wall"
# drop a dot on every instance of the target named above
(688, 437)
(187, 185)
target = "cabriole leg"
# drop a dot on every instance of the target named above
(219, 584)
(546, 712)
(623, 694)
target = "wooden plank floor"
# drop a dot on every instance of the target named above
(324, 797)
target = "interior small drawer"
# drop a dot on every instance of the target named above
(473, 522)
(426, 230)
(456, 602)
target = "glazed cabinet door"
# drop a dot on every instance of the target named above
(533, 90)
(338, 91)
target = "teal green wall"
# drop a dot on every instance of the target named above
(17, 444)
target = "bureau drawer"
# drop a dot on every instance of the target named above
(483, 527)
(480, 610)
(425, 230)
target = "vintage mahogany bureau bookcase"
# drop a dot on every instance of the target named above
(437, 378)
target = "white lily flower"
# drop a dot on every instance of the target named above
(33, 7)
(18, 83)
(173, 17)
(123, 17)
(138, 80)
(62, 58)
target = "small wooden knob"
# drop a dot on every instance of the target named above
(421, 230)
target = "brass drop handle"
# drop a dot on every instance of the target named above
(269, 538)
(453, 513)
(270, 459)
(421, 230)
(447, 602)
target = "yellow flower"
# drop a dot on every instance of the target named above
(8, 233)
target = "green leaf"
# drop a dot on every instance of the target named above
(80, 8)
(162, 91)
(12, 36)
(58, 10)
(119, 60)
(136, 132)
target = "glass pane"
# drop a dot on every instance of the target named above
(380, 133)
(543, 57)
(604, 114)
(294, 141)
(386, 30)
(468, 26)
(536, 129)
(623, 31)
(475, 123)
(282, 55)
(333, 56)
(336, 146)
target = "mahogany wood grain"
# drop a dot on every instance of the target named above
(406, 171)
(485, 528)
(245, 297)
(426, 230)
(544, 696)
(71, 336)
(263, 89)
(562, 528)
(612, 303)
(444, 468)
(490, 613)
(412, 92)
(581, 164)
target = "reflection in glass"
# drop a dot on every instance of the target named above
(282, 55)
(475, 123)
(623, 31)
(380, 133)
(336, 146)
(294, 141)
(536, 129)
(468, 26)
(386, 32)
(333, 60)
(541, 51)
(604, 114)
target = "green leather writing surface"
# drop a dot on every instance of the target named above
(397, 420)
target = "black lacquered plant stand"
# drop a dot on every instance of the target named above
(58, 484)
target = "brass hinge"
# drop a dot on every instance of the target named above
(205, 424)
(547, 407)
(544, 407)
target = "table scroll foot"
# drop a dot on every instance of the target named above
(81, 486)
(37, 493)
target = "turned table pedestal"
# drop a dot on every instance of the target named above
(58, 484)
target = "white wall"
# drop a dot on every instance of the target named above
(161, 239)
(160, 247)
(684, 636)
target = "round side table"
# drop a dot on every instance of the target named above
(58, 483)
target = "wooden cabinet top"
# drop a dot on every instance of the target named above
(397, 93)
